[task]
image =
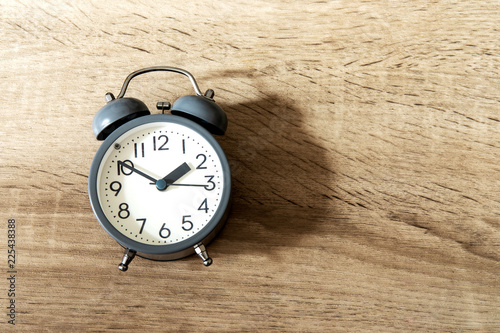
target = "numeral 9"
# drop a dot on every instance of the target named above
(115, 187)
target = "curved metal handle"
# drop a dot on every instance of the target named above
(159, 68)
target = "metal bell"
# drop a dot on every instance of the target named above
(116, 113)
(202, 110)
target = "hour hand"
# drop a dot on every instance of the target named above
(172, 177)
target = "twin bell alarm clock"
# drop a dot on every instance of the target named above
(160, 184)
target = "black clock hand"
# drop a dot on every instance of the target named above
(131, 168)
(210, 186)
(181, 170)
(175, 184)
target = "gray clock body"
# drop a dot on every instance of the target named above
(152, 215)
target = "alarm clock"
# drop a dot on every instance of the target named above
(160, 184)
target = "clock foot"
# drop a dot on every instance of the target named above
(127, 258)
(202, 252)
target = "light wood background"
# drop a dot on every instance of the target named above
(364, 139)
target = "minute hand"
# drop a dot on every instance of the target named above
(139, 172)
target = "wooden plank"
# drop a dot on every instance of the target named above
(363, 141)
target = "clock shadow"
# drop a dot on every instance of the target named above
(281, 173)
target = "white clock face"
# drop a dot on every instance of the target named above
(160, 183)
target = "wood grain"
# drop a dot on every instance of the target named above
(363, 139)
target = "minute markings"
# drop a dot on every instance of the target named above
(151, 217)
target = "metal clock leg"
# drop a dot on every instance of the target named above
(202, 252)
(127, 258)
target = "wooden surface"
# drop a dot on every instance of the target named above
(364, 139)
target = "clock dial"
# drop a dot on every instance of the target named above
(160, 183)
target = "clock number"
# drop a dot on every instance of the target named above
(164, 232)
(183, 146)
(186, 225)
(204, 159)
(162, 145)
(115, 187)
(212, 184)
(204, 206)
(143, 224)
(142, 150)
(123, 213)
(126, 171)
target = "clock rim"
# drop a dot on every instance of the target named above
(163, 251)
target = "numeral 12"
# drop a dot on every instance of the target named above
(159, 144)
